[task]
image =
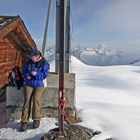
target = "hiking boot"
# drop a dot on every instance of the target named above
(36, 123)
(24, 126)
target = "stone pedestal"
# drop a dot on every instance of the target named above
(49, 103)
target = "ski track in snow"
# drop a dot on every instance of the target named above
(107, 99)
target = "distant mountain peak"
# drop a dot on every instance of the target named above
(102, 46)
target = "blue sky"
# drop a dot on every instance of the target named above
(113, 22)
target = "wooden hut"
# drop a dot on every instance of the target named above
(15, 42)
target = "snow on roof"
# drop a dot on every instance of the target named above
(5, 20)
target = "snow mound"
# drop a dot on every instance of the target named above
(108, 100)
(76, 62)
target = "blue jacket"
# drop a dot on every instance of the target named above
(41, 68)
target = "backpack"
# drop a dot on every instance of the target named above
(16, 78)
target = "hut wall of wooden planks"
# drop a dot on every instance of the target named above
(15, 42)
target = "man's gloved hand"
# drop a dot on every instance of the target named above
(33, 73)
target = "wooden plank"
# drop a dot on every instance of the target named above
(3, 72)
(6, 63)
(4, 59)
(7, 60)
(5, 48)
(4, 43)
(4, 54)
(8, 49)
(4, 76)
(3, 79)
(3, 82)
(8, 67)
(7, 52)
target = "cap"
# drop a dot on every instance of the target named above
(34, 52)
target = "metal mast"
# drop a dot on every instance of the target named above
(46, 27)
(61, 66)
(57, 36)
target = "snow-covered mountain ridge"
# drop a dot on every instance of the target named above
(104, 56)
(100, 56)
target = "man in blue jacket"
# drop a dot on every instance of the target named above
(35, 73)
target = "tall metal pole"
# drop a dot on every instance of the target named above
(46, 27)
(67, 36)
(57, 36)
(61, 66)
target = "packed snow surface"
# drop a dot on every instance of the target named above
(107, 99)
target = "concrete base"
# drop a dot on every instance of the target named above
(49, 103)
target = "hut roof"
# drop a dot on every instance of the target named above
(14, 27)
